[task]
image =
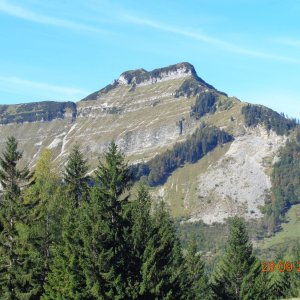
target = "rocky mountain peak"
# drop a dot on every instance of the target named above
(143, 77)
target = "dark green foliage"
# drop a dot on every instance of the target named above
(141, 230)
(205, 103)
(37, 111)
(235, 264)
(17, 257)
(195, 147)
(44, 198)
(189, 88)
(75, 176)
(111, 248)
(113, 176)
(285, 184)
(197, 286)
(205, 100)
(66, 278)
(11, 178)
(279, 285)
(105, 229)
(258, 114)
(256, 284)
(162, 260)
(286, 175)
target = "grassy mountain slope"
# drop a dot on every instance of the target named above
(147, 113)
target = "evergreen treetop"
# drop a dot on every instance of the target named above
(75, 175)
(235, 264)
(11, 177)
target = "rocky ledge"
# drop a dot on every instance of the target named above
(143, 77)
(37, 111)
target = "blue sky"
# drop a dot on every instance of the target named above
(64, 50)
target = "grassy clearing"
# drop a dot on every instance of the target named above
(283, 241)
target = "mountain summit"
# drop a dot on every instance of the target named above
(207, 154)
(141, 77)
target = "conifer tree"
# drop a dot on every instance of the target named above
(197, 286)
(66, 279)
(104, 228)
(140, 232)
(12, 179)
(281, 283)
(235, 264)
(256, 284)
(75, 175)
(161, 269)
(16, 256)
(45, 212)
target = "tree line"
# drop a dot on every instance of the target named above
(203, 140)
(258, 114)
(285, 184)
(61, 238)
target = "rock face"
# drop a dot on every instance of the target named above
(239, 177)
(39, 111)
(142, 77)
(146, 113)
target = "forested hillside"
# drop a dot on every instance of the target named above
(285, 183)
(203, 140)
(61, 238)
(258, 114)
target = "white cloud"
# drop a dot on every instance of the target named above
(222, 44)
(15, 85)
(23, 13)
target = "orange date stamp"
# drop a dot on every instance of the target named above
(282, 266)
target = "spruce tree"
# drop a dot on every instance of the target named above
(140, 232)
(281, 283)
(196, 280)
(104, 228)
(256, 284)
(66, 279)
(161, 269)
(12, 178)
(45, 212)
(75, 175)
(17, 257)
(235, 264)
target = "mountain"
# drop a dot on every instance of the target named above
(161, 119)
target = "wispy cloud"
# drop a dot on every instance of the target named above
(228, 46)
(288, 41)
(25, 14)
(16, 85)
